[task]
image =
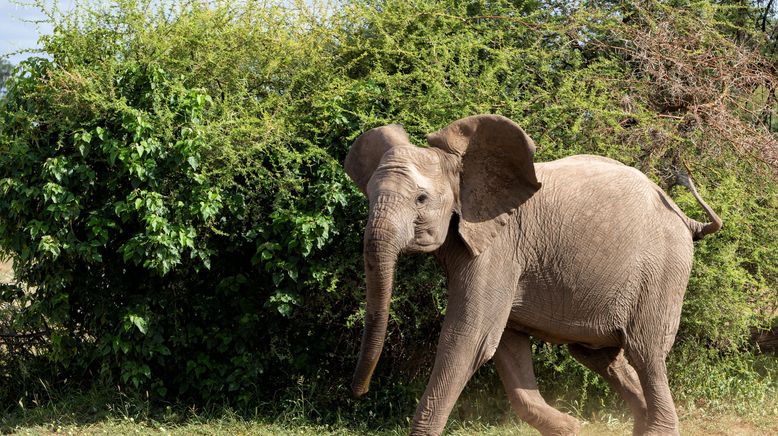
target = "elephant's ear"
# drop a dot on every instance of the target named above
(366, 152)
(498, 173)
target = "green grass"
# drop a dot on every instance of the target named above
(477, 412)
(733, 394)
(715, 396)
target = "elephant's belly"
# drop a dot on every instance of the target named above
(594, 319)
(561, 334)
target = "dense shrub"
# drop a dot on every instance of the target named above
(173, 199)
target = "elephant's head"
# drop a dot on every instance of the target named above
(479, 168)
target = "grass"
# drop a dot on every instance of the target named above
(102, 413)
(736, 403)
(734, 395)
(691, 424)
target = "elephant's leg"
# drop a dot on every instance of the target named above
(514, 364)
(647, 344)
(611, 364)
(661, 418)
(469, 337)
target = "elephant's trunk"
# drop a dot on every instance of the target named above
(382, 245)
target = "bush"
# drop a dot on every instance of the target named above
(174, 201)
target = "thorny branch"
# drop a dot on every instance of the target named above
(701, 80)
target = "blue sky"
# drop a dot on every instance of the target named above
(16, 29)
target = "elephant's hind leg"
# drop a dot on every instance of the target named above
(611, 364)
(647, 345)
(661, 418)
(514, 364)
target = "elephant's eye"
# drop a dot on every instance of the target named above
(422, 198)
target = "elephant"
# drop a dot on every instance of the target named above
(583, 251)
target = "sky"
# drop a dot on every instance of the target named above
(18, 27)
(17, 31)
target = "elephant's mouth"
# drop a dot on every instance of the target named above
(424, 240)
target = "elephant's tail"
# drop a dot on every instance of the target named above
(698, 229)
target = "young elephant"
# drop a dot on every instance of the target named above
(583, 251)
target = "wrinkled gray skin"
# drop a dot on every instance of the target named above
(583, 251)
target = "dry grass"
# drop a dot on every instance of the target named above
(694, 424)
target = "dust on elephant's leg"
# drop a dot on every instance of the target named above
(611, 364)
(514, 364)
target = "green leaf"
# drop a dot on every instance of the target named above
(139, 322)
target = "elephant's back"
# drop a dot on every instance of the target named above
(587, 168)
(611, 206)
(602, 186)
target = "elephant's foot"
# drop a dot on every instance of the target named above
(655, 431)
(563, 425)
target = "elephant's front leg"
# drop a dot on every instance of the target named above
(475, 319)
